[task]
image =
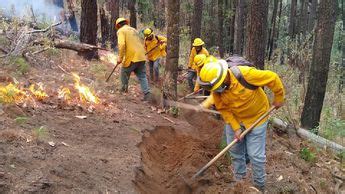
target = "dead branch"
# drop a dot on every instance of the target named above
(3, 50)
(80, 47)
(40, 51)
(46, 29)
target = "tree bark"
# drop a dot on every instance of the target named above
(342, 67)
(239, 27)
(196, 20)
(312, 15)
(320, 64)
(220, 27)
(114, 12)
(232, 26)
(257, 31)
(303, 22)
(292, 23)
(105, 28)
(88, 25)
(173, 31)
(133, 13)
(272, 30)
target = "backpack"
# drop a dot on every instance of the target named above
(233, 63)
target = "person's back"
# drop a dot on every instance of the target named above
(131, 44)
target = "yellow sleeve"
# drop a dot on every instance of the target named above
(206, 52)
(226, 114)
(191, 58)
(230, 119)
(121, 43)
(162, 39)
(269, 79)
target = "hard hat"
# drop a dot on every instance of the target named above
(200, 59)
(119, 20)
(198, 42)
(212, 75)
(148, 32)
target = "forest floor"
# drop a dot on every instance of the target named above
(126, 146)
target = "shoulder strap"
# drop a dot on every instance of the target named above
(238, 75)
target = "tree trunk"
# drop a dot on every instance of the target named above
(272, 30)
(257, 31)
(303, 22)
(114, 12)
(320, 64)
(220, 27)
(88, 25)
(133, 13)
(105, 28)
(173, 31)
(239, 27)
(197, 18)
(293, 14)
(312, 15)
(342, 67)
(232, 26)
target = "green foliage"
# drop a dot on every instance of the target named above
(174, 111)
(53, 52)
(22, 66)
(307, 155)
(21, 120)
(40, 132)
(332, 127)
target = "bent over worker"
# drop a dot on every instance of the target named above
(132, 56)
(199, 61)
(240, 107)
(155, 46)
(198, 48)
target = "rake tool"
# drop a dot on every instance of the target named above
(112, 72)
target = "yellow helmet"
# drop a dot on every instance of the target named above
(212, 75)
(198, 42)
(119, 20)
(199, 60)
(148, 32)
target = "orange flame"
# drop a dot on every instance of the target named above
(85, 93)
(64, 93)
(11, 94)
(39, 94)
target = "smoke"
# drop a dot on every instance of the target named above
(44, 10)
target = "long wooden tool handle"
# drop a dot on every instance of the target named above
(188, 95)
(112, 72)
(203, 169)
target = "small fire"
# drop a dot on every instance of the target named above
(85, 93)
(64, 93)
(39, 94)
(11, 94)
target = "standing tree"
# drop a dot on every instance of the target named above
(320, 64)
(196, 20)
(293, 15)
(312, 15)
(257, 31)
(239, 27)
(105, 28)
(114, 12)
(220, 27)
(173, 32)
(88, 25)
(272, 29)
(133, 13)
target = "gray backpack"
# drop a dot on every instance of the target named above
(233, 63)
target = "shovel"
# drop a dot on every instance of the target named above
(203, 169)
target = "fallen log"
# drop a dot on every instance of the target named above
(318, 140)
(76, 46)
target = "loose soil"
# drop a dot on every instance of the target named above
(125, 146)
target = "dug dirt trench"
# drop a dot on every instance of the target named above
(170, 156)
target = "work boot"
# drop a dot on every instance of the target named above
(260, 188)
(147, 97)
(124, 89)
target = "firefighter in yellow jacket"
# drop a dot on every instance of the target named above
(240, 107)
(155, 46)
(132, 56)
(199, 61)
(198, 48)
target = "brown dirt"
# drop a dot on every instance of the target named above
(124, 141)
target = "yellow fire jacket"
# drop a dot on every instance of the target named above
(193, 53)
(156, 47)
(198, 69)
(239, 105)
(131, 48)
